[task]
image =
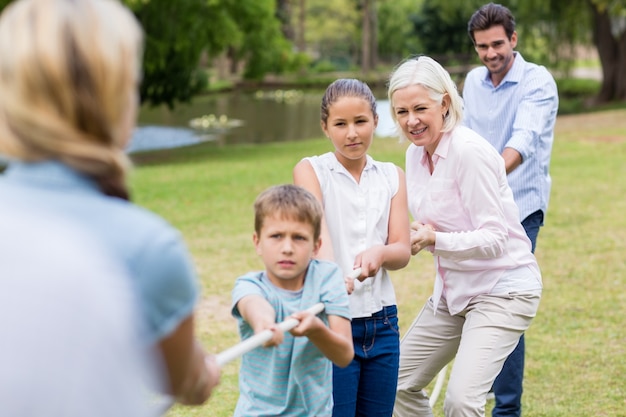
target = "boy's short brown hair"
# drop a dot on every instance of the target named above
(291, 202)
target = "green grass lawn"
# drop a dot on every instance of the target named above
(576, 347)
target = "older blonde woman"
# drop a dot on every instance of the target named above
(69, 76)
(487, 285)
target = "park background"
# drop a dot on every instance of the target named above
(197, 49)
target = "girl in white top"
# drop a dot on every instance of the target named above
(366, 225)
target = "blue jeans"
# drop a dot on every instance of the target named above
(507, 387)
(367, 387)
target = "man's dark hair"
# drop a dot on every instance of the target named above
(491, 15)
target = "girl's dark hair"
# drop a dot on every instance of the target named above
(490, 15)
(346, 87)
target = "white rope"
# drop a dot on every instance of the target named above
(259, 339)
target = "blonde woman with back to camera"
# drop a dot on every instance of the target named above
(69, 80)
(487, 285)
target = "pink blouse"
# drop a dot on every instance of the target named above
(469, 202)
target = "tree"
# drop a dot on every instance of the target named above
(369, 34)
(565, 25)
(283, 14)
(396, 39)
(609, 37)
(557, 27)
(178, 32)
(443, 31)
(175, 36)
(262, 44)
(332, 30)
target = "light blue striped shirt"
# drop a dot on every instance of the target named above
(293, 378)
(519, 113)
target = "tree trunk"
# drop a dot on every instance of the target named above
(374, 35)
(620, 82)
(366, 44)
(612, 53)
(300, 38)
(283, 13)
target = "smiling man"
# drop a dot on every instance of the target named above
(513, 104)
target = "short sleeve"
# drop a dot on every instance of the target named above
(391, 175)
(332, 289)
(249, 284)
(168, 282)
(321, 171)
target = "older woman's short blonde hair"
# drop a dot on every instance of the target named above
(428, 73)
(69, 72)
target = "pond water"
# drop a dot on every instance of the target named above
(240, 117)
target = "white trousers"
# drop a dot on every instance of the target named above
(479, 339)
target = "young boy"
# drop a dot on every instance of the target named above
(291, 375)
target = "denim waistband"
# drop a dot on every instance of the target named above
(385, 312)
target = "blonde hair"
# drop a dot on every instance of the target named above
(69, 71)
(428, 73)
(288, 201)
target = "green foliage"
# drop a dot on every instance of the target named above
(616, 8)
(298, 62)
(334, 64)
(261, 43)
(323, 65)
(396, 39)
(332, 28)
(547, 29)
(443, 30)
(550, 30)
(178, 32)
(576, 94)
(577, 87)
